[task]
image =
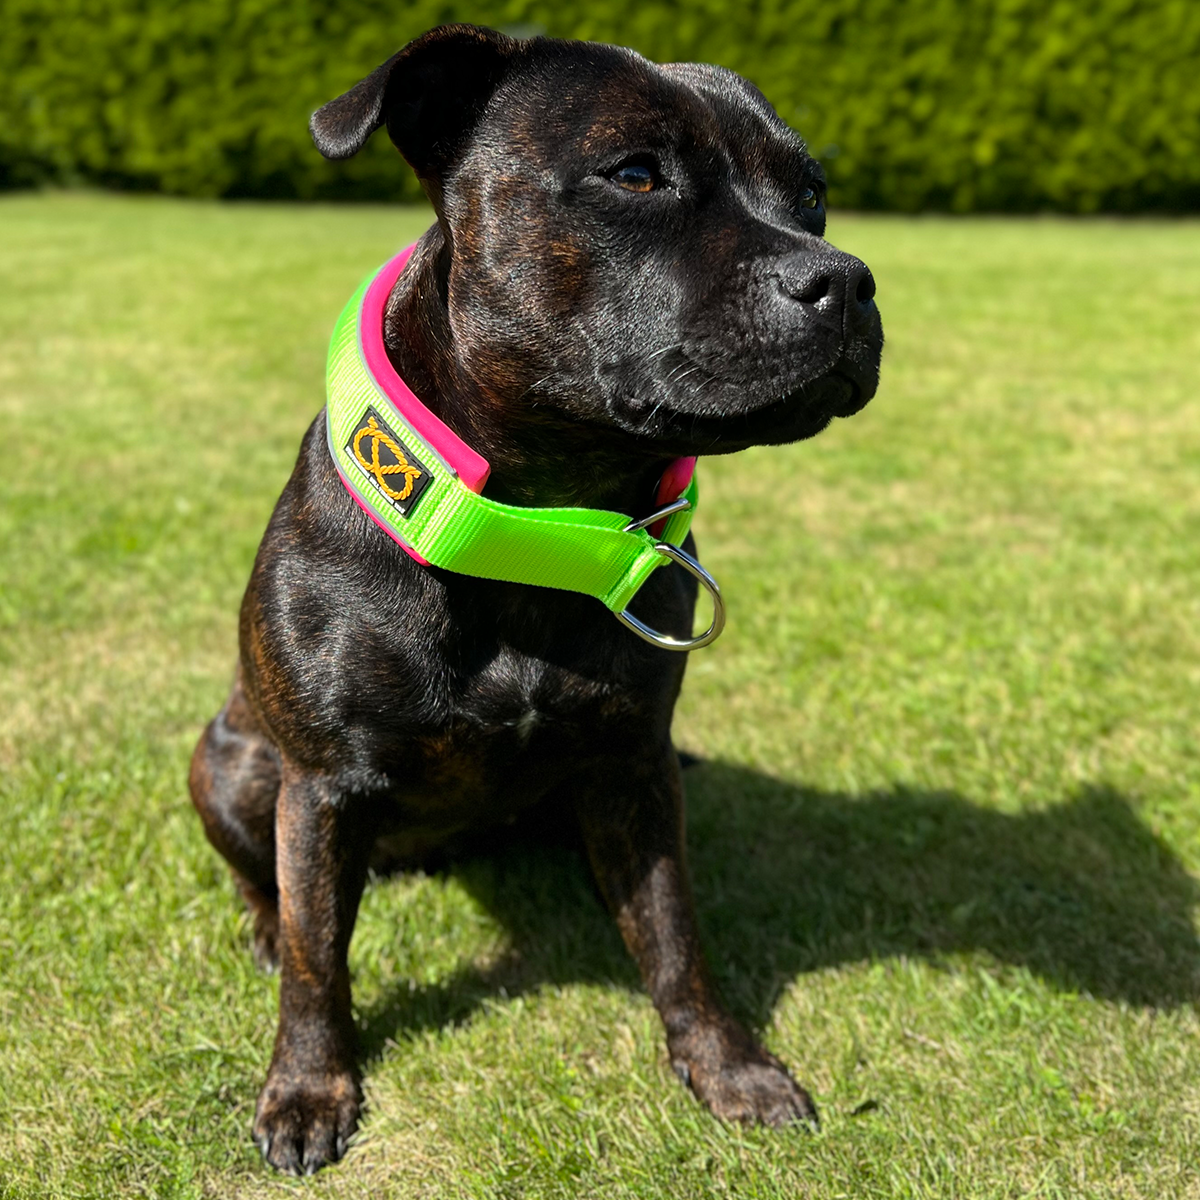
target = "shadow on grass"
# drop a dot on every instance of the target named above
(789, 879)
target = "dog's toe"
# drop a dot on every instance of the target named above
(304, 1126)
(742, 1082)
(764, 1093)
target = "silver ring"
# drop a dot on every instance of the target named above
(689, 564)
(668, 510)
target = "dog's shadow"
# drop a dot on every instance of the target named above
(789, 879)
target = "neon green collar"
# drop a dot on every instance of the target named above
(421, 485)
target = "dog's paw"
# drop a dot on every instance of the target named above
(263, 910)
(265, 947)
(739, 1081)
(304, 1124)
(756, 1093)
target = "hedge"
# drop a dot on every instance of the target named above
(1000, 105)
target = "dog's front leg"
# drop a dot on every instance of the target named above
(633, 826)
(309, 1106)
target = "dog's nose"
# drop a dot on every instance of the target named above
(835, 284)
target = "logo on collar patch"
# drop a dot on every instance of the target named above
(389, 464)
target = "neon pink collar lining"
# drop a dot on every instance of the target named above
(472, 468)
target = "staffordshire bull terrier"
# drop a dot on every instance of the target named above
(627, 270)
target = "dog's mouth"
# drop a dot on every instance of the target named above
(834, 395)
(801, 413)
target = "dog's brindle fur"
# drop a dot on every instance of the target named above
(580, 335)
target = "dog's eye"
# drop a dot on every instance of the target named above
(809, 198)
(635, 177)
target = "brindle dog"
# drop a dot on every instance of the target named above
(628, 266)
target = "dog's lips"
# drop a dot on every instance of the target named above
(846, 395)
(800, 414)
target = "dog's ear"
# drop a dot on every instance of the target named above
(429, 95)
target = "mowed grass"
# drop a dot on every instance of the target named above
(944, 837)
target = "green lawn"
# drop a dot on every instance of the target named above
(945, 837)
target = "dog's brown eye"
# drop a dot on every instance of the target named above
(809, 198)
(636, 177)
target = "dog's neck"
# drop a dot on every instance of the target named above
(534, 461)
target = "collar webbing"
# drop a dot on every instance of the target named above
(420, 483)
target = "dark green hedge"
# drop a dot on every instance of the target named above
(994, 104)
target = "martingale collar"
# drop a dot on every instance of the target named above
(421, 484)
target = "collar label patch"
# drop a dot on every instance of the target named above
(388, 463)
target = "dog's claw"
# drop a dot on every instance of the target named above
(761, 1094)
(301, 1128)
(740, 1081)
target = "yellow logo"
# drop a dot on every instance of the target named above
(377, 469)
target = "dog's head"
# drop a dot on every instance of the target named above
(633, 247)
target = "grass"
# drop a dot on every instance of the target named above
(945, 838)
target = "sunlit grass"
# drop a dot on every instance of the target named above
(944, 837)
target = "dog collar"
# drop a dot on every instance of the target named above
(421, 484)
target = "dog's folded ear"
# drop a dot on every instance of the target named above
(429, 95)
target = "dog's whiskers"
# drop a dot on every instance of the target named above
(538, 384)
(651, 415)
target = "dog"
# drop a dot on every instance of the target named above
(627, 270)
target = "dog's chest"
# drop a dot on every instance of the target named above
(514, 731)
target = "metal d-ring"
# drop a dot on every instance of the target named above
(689, 564)
(668, 510)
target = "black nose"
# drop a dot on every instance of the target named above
(838, 286)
